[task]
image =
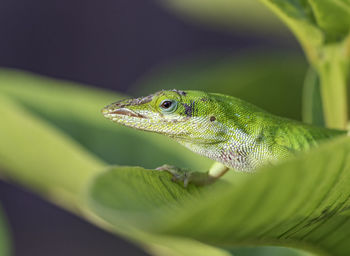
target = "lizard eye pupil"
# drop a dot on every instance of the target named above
(166, 104)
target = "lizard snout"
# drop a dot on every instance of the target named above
(110, 112)
(126, 112)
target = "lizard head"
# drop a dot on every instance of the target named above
(175, 113)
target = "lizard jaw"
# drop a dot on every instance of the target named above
(110, 113)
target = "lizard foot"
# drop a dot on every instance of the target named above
(186, 176)
(179, 175)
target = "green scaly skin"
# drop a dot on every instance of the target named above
(228, 130)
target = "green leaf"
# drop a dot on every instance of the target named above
(272, 81)
(269, 251)
(75, 110)
(333, 17)
(299, 16)
(314, 22)
(5, 248)
(240, 15)
(38, 155)
(299, 203)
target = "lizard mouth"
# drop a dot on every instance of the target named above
(121, 111)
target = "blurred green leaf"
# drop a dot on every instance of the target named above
(5, 248)
(314, 22)
(241, 15)
(272, 81)
(38, 155)
(75, 110)
(297, 203)
(333, 17)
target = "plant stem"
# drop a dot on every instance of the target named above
(312, 109)
(333, 66)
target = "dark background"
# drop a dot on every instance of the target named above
(109, 44)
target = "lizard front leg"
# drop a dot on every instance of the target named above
(197, 178)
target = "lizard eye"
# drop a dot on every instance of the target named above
(168, 106)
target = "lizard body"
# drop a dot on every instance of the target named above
(226, 129)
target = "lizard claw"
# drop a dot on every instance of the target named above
(179, 175)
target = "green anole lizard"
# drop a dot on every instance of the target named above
(228, 130)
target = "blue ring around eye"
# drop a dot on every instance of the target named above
(172, 107)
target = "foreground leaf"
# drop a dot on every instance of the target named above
(300, 203)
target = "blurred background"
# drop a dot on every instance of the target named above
(136, 47)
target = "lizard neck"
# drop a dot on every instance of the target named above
(236, 149)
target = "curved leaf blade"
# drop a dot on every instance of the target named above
(333, 17)
(299, 203)
(315, 23)
(239, 15)
(36, 154)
